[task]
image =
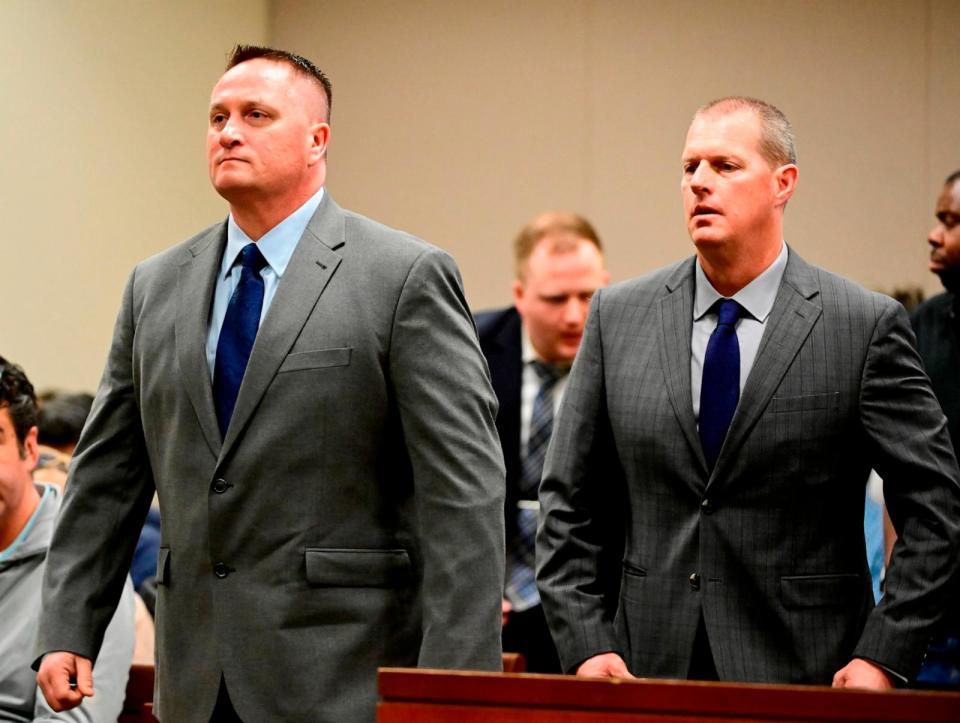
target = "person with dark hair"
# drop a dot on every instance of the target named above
(28, 512)
(61, 419)
(558, 260)
(303, 389)
(729, 409)
(936, 323)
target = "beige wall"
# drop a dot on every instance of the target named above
(458, 121)
(102, 137)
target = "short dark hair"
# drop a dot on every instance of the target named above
(564, 227)
(61, 417)
(778, 144)
(952, 178)
(243, 53)
(19, 399)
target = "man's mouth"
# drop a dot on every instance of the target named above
(701, 210)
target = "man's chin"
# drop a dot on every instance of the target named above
(950, 278)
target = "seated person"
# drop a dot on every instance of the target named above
(28, 512)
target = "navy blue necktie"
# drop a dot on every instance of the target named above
(720, 388)
(237, 334)
(521, 588)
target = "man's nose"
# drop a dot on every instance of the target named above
(700, 177)
(229, 134)
(575, 311)
(935, 237)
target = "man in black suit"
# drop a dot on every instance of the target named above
(529, 347)
(937, 326)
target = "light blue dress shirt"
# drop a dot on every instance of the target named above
(277, 246)
(757, 298)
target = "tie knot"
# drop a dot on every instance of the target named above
(251, 258)
(549, 374)
(728, 311)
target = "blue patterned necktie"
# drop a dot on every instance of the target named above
(521, 588)
(720, 388)
(237, 334)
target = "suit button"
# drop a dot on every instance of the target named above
(221, 570)
(694, 580)
(220, 486)
(706, 505)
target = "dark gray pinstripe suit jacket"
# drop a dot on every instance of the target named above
(775, 533)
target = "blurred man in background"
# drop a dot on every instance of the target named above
(529, 347)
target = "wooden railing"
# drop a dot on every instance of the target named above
(426, 696)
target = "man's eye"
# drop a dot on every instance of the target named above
(725, 166)
(218, 119)
(258, 114)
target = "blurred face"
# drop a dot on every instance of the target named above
(266, 134)
(554, 296)
(944, 238)
(17, 494)
(732, 195)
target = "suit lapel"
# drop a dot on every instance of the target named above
(676, 324)
(794, 313)
(312, 265)
(196, 280)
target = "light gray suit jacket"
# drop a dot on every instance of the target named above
(352, 517)
(638, 539)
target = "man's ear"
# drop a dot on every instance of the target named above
(518, 295)
(319, 140)
(30, 448)
(786, 179)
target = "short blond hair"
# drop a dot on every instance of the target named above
(778, 143)
(564, 229)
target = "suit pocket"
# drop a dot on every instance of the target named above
(357, 568)
(163, 566)
(808, 591)
(633, 570)
(805, 402)
(316, 359)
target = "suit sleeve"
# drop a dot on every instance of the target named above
(580, 536)
(447, 411)
(914, 456)
(107, 496)
(110, 671)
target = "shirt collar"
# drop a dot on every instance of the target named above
(526, 346)
(757, 297)
(277, 245)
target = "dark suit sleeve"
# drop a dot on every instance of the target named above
(107, 496)
(447, 411)
(914, 456)
(580, 537)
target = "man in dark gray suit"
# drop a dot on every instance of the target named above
(731, 407)
(304, 390)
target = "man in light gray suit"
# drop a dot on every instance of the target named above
(729, 409)
(304, 389)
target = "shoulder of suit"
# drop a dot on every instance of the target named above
(493, 321)
(932, 307)
(390, 241)
(848, 294)
(185, 250)
(651, 285)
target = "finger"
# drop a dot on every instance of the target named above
(838, 679)
(56, 689)
(84, 677)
